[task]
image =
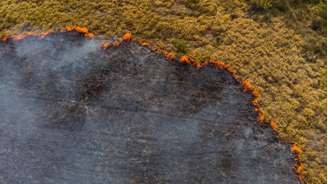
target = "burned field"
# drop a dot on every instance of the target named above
(72, 112)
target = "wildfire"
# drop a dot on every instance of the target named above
(19, 37)
(260, 116)
(143, 43)
(170, 55)
(69, 28)
(105, 45)
(220, 64)
(116, 43)
(255, 93)
(197, 65)
(4, 38)
(127, 36)
(184, 59)
(255, 103)
(296, 149)
(43, 35)
(89, 35)
(274, 125)
(299, 167)
(247, 85)
(80, 29)
(27, 34)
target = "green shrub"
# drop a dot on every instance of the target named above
(261, 4)
(180, 45)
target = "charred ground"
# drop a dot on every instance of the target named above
(74, 113)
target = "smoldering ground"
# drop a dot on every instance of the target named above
(74, 113)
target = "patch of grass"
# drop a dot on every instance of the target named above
(180, 45)
(261, 4)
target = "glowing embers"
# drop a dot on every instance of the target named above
(80, 29)
(299, 167)
(26, 34)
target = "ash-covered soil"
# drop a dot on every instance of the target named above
(74, 113)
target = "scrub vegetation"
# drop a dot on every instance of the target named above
(279, 46)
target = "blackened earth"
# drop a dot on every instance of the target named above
(73, 113)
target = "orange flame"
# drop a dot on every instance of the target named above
(255, 103)
(105, 45)
(247, 85)
(260, 116)
(127, 36)
(197, 65)
(299, 169)
(89, 35)
(220, 64)
(255, 93)
(19, 37)
(80, 29)
(43, 35)
(4, 38)
(184, 59)
(116, 43)
(274, 125)
(170, 55)
(69, 28)
(296, 149)
(143, 43)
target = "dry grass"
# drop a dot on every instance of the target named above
(286, 63)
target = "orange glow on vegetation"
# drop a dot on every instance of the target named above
(255, 93)
(296, 149)
(184, 59)
(220, 64)
(143, 42)
(19, 37)
(4, 38)
(197, 65)
(170, 55)
(274, 125)
(260, 116)
(127, 36)
(42, 35)
(105, 45)
(116, 43)
(247, 85)
(299, 169)
(89, 35)
(255, 103)
(69, 28)
(80, 29)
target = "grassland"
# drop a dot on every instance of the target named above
(281, 49)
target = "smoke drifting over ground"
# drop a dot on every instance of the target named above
(73, 113)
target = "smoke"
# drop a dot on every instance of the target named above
(36, 87)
